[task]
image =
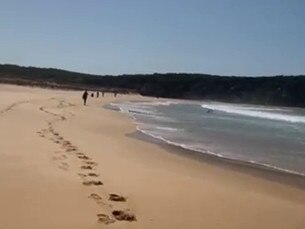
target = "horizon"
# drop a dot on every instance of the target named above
(230, 38)
(161, 73)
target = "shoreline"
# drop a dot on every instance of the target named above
(71, 158)
(269, 172)
(256, 170)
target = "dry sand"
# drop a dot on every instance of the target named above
(52, 148)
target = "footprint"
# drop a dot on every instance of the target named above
(123, 215)
(82, 175)
(64, 166)
(84, 157)
(103, 218)
(115, 197)
(95, 196)
(93, 175)
(91, 182)
(71, 149)
(66, 143)
(41, 133)
(86, 167)
(98, 199)
(91, 163)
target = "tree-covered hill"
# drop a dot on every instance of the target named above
(276, 90)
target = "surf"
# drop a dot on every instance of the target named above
(257, 112)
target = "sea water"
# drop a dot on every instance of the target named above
(273, 137)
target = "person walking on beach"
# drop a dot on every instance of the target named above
(85, 96)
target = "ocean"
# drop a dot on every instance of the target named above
(272, 137)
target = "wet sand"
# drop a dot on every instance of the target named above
(64, 165)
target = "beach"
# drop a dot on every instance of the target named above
(60, 162)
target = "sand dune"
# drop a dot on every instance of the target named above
(65, 165)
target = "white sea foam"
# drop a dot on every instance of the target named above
(160, 126)
(158, 103)
(182, 145)
(257, 112)
(167, 128)
(134, 108)
(142, 109)
(200, 150)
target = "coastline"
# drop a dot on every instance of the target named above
(43, 184)
(196, 154)
(256, 170)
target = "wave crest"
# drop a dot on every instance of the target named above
(257, 112)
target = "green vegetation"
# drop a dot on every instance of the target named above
(276, 90)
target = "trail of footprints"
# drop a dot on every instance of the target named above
(10, 107)
(87, 171)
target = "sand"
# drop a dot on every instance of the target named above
(60, 161)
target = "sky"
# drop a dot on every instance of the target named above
(224, 37)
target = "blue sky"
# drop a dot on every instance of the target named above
(227, 37)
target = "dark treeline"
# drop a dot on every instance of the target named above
(276, 90)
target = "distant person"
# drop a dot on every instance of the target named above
(85, 96)
(92, 95)
(103, 93)
(97, 94)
